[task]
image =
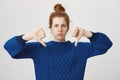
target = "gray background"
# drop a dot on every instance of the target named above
(22, 16)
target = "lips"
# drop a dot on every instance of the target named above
(60, 34)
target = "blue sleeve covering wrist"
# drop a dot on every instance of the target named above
(20, 39)
(94, 37)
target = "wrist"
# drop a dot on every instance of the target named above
(94, 37)
(87, 34)
(20, 39)
(27, 37)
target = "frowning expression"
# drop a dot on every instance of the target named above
(59, 29)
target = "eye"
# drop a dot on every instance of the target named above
(55, 25)
(63, 25)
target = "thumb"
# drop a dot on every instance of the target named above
(76, 42)
(77, 39)
(42, 42)
(80, 34)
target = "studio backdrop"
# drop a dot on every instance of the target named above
(22, 16)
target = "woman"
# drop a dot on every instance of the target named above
(58, 59)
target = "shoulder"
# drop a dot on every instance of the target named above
(82, 45)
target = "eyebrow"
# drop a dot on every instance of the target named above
(54, 24)
(57, 24)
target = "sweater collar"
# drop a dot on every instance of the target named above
(58, 43)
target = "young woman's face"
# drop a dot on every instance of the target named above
(59, 29)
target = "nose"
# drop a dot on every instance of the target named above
(59, 28)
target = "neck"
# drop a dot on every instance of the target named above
(62, 40)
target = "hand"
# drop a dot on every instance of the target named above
(37, 34)
(77, 33)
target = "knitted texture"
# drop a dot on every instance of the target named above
(59, 60)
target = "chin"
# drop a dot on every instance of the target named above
(60, 38)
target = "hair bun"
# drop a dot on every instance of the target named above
(59, 8)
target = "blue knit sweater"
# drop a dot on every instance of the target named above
(59, 60)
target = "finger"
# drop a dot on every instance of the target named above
(42, 33)
(74, 32)
(38, 31)
(39, 39)
(43, 43)
(75, 29)
(78, 36)
(42, 36)
(76, 42)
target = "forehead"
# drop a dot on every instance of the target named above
(59, 20)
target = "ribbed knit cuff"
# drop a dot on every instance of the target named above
(20, 39)
(94, 37)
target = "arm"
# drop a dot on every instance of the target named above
(99, 42)
(18, 48)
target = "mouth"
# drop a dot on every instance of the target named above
(60, 34)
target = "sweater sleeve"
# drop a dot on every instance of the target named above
(99, 44)
(18, 48)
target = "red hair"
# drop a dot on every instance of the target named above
(59, 12)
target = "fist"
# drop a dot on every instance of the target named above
(77, 33)
(37, 34)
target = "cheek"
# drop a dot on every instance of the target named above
(53, 32)
(66, 30)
